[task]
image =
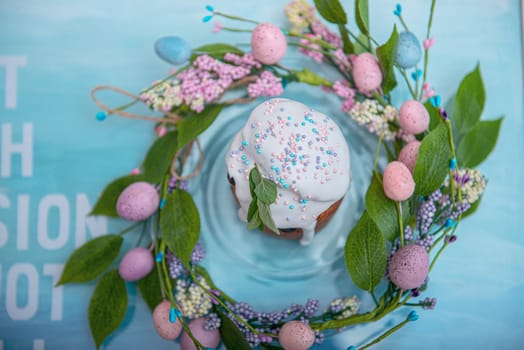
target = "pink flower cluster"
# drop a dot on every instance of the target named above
(266, 85)
(312, 50)
(342, 89)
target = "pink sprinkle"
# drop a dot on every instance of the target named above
(286, 203)
(135, 171)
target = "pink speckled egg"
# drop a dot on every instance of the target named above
(137, 202)
(136, 264)
(209, 339)
(268, 43)
(296, 335)
(163, 326)
(409, 267)
(398, 182)
(408, 154)
(413, 117)
(366, 72)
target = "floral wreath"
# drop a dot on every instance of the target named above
(413, 207)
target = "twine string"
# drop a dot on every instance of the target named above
(188, 149)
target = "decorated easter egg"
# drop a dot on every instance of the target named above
(398, 182)
(409, 267)
(407, 51)
(408, 154)
(136, 264)
(137, 202)
(366, 72)
(173, 49)
(164, 327)
(413, 117)
(268, 43)
(296, 335)
(209, 339)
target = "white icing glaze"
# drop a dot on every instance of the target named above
(302, 151)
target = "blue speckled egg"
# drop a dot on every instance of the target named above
(408, 50)
(173, 49)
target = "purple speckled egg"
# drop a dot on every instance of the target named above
(366, 72)
(413, 117)
(296, 335)
(137, 202)
(209, 339)
(136, 264)
(163, 325)
(268, 43)
(408, 154)
(409, 267)
(398, 182)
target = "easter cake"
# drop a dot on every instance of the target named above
(304, 153)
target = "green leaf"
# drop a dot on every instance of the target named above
(472, 209)
(264, 212)
(91, 259)
(266, 191)
(231, 336)
(150, 289)
(159, 157)
(360, 48)
(332, 11)
(434, 115)
(180, 224)
(432, 161)
(386, 55)
(469, 102)
(311, 78)
(347, 45)
(254, 179)
(365, 254)
(383, 211)
(107, 307)
(217, 50)
(106, 203)
(362, 15)
(254, 221)
(478, 143)
(252, 210)
(196, 123)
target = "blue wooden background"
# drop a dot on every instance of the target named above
(55, 158)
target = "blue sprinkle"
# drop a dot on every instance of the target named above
(259, 151)
(286, 186)
(172, 315)
(243, 157)
(256, 135)
(452, 163)
(210, 8)
(413, 316)
(207, 18)
(291, 206)
(159, 257)
(289, 118)
(303, 124)
(101, 116)
(162, 203)
(244, 142)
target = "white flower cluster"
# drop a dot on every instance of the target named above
(348, 306)
(164, 96)
(375, 117)
(192, 299)
(472, 184)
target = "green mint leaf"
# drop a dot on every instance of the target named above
(106, 203)
(307, 76)
(91, 259)
(264, 212)
(433, 160)
(254, 222)
(150, 289)
(383, 211)
(107, 307)
(478, 143)
(254, 179)
(362, 15)
(347, 45)
(365, 254)
(386, 55)
(215, 50)
(434, 115)
(159, 157)
(196, 123)
(252, 210)
(231, 335)
(180, 224)
(332, 11)
(266, 191)
(469, 102)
